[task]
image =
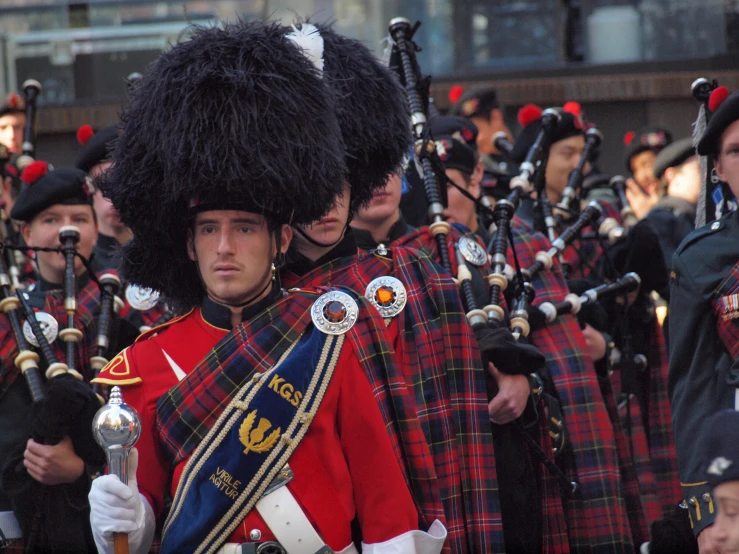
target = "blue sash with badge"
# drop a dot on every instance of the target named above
(250, 443)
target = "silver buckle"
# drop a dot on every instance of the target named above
(283, 478)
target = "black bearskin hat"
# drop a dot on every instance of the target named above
(236, 114)
(372, 109)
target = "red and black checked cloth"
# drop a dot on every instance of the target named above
(600, 519)
(439, 358)
(726, 307)
(88, 308)
(554, 532)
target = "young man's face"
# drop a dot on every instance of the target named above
(563, 158)
(642, 165)
(727, 165)
(461, 209)
(328, 230)
(486, 128)
(234, 251)
(727, 518)
(43, 231)
(384, 203)
(685, 181)
(11, 131)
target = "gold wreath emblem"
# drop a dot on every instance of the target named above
(254, 440)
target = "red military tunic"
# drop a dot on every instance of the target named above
(337, 477)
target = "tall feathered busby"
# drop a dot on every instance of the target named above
(236, 117)
(371, 106)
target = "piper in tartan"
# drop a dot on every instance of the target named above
(267, 417)
(704, 374)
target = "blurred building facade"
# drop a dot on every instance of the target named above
(628, 62)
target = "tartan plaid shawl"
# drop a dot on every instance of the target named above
(599, 519)
(584, 256)
(438, 356)
(88, 308)
(554, 535)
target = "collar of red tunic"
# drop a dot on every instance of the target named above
(220, 316)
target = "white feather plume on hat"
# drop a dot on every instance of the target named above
(310, 40)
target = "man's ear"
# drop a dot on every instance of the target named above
(286, 236)
(26, 233)
(190, 246)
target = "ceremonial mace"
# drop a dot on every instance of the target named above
(116, 428)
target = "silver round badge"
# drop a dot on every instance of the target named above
(388, 295)
(334, 313)
(141, 298)
(472, 251)
(49, 326)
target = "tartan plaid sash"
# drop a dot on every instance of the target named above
(438, 356)
(187, 413)
(252, 440)
(726, 307)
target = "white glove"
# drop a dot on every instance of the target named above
(119, 508)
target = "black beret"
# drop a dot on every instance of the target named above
(673, 155)
(14, 103)
(56, 186)
(454, 126)
(726, 113)
(97, 149)
(569, 126)
(456, 154)
(477, 103)
(721, 447)
(647, 138)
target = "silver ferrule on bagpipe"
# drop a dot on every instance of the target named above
(69, 236)
(401, 32)
(502, 144)
(476, 317)
(27, 361)
(593, 139)
(504, 211)
(573, 303)
(618, 184)
(545, 260)
(110, 305)
(31, 92)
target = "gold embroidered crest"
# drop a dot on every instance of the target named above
(254, 440)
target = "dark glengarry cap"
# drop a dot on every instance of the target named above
(650, 137)
(13, 103)
(725, 112)
(96, 147)
(721, 447)
(673, 155)
(529, 117)
(455, 154)
(371, 107)
(477, 103)
(454, 126)
(45, 187)
(233, 112)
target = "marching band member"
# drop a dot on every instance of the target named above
(310, 452)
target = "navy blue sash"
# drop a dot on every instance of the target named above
(250, 443)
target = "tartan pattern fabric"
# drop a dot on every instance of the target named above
(599, 519)
(726, 307)
(88, 307)
(554, 526)
(438, 355)
(553, 516)
(435, 349)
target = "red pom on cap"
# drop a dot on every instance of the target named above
(717, 98)
(34, 171)
(84, 134)
(11, 169)
(629, 137)
(14, 101)
(455, 93)
(574, 108)
(528, 114)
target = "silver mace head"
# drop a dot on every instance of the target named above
(116, 428)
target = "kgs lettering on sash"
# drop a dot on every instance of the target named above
(285, 390)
